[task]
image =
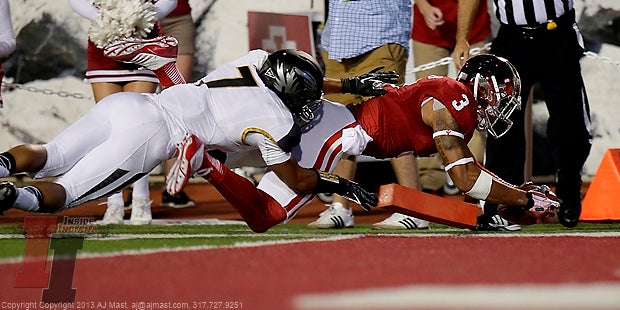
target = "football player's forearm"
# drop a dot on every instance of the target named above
(332, 86)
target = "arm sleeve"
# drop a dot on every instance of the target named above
(272, 154)
(164, 7)
(85, 9)
(7, 37)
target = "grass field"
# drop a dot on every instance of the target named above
(117, 238)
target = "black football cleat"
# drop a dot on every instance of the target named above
(569, 214)
(8, 195)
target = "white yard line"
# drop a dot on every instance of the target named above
(480, 297)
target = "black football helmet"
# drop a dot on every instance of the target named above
(497, 89)
(297, 79)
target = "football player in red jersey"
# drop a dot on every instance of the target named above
(432, 115)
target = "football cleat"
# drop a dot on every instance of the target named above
(400, 221)
(141, 211)
(336, 216)
(178, 201)
(113, 215)
(8, 195)
(151, 54)
(495, 223)
(449, 188)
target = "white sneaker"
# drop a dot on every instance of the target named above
(336, 216)
(500, 223)
(113, 215)
(449, 188)
(141, 211)
(401, 221)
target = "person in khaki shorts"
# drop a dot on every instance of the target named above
(434, 38)
(358, 37)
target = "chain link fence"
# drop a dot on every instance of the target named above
(441, 62)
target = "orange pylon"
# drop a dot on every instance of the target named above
(405, 200)
(602, 200)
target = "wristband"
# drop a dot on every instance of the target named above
(327, 183)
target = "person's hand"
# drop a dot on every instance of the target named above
(542, 206)
(355, 192)
(460, 54)
(433, 17)
(369, 84)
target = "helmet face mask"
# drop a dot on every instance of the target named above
(496, 86)
(297, 79)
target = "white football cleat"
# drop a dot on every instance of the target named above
(401, 221)
(141, 211)
(495, 223)
(449, 188)
(113, 215)
(151, 54)
(336, 216)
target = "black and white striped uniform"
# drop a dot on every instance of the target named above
(542, 40)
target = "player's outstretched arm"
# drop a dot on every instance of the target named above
(368, 84)
(473, 179)
(305, 181)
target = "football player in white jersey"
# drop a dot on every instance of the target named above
(332, 130)
(231, 109)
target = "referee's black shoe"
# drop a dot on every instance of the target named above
(569, 213)
(8, 195)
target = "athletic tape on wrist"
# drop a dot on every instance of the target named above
(482, 187)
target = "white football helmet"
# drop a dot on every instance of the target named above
(497, 89)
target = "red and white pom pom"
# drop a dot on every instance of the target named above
(120, 19)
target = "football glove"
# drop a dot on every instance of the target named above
(369, 84)
(190, 156)
(542, 203)
(542, 206)
(331, 183)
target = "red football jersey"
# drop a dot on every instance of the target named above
(445, 35)
(394, 120)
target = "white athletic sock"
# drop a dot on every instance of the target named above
(141, 187)
(116, 199)
(5, 165)
(26, 199)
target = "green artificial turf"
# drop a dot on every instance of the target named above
(118, 238)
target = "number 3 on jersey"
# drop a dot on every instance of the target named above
(459, 105)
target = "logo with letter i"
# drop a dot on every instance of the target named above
(44, 233)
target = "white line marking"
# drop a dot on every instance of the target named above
(574, 296)
(244, 244)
